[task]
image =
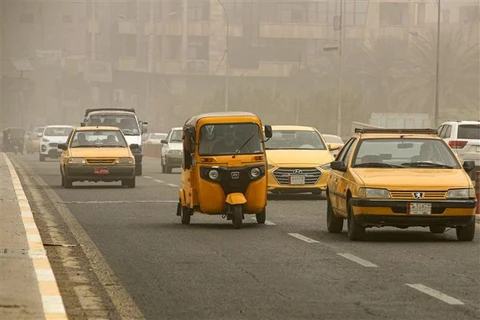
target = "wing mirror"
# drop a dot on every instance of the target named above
(39, 135)
(338, 165)
(144, 127)
(469, 165)
(163, 141)
(82, 124)
(268, 131)
(333, 146)
(62, 146)
(134, 146)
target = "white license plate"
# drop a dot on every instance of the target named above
(297, 179)
(419, 208)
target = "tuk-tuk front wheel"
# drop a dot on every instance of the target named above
(261, 216)
(237, 216)
(185, 215)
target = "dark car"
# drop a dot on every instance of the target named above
(13, 140)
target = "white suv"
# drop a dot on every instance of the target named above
(52, 136)
(464, 139)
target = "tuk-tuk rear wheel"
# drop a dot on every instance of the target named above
(185, 215)
(237, 216)
(262, 216)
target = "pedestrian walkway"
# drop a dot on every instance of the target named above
(28, 289)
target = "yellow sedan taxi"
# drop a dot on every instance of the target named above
(401, 178)
(298, 160)
(97, 154)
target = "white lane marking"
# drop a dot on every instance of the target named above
(436, 294)
(303, 238)
(45, 275)
(53, 304)
(159, 181)
(29, 225)
(172, 185)
(34, 238)
(147, 177)
(268, 223)
(358, 260)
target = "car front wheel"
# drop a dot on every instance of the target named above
(467, 232)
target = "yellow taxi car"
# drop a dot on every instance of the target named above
(298, 160)
(97, 154)
(401, 178)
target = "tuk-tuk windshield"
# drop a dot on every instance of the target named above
(229, 139)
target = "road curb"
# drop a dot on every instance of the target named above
(52, 301)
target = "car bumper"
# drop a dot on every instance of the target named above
(281, 185)
(174, 161)
(50, 151)
(87, 173)
(448, 213)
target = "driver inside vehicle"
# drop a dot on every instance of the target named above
(228, 144)
(427, 153)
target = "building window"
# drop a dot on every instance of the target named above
(27, 18)
(318, 12)
(128, 45)
(356, 12)
(421, 14)
(66, 18)
(393, 14)
(234, 10)
(198, 48)
(198, 10)
(469, 14)
(292, 12)
(172, 50)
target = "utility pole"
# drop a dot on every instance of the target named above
(92, 30)
(151, 39)
(437, 71)
(339, 72)
(226, 53)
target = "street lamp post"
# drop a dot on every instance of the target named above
(226, 53)
(437, 68)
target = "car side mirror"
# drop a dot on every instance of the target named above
(469, 165)
(82, 124)
(338, 165)
(62, 146)
(144, 127)
(134, 146)
(163, 141)
(333, 146)
(39, 135)
(268, 131)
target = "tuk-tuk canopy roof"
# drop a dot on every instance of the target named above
(192, 122)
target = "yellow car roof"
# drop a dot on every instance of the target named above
(90, 128)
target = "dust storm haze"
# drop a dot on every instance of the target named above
(316, 63)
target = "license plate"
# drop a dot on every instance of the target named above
(418, 208)
(100, 170)
(297, 180)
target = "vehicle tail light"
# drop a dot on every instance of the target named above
(455, 144)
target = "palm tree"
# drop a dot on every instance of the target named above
(459, 74)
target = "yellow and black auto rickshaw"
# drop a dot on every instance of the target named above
(224, 166)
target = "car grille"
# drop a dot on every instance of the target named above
(312, 175)
(100, 161)
(427, 195)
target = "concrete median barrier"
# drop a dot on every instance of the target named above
(152, 150)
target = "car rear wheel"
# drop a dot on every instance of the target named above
(41, 157)
(437, 229)
(467, 232)
(130, 183)
(334, 223)
(355, 230)
(138, 169)
(68, 182)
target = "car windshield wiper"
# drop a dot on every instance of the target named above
(375, 165)
(418, 164)
(85, 146)
(243, 145)
(112, 146)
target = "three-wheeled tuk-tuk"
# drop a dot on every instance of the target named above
(13, 140)
(224, 166)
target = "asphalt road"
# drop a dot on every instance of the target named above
(291, 268)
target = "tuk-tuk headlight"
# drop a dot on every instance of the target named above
(213, 174)
(255, 173)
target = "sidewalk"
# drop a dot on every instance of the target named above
(28, 289)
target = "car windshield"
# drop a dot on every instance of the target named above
(98, 138)
(404, 153)
(176, 136)
(295, 139)
(57, 131)
(230, 139)
(39, 129)
(127, 122)
(469, 131)
(332, 139)
(158, 136)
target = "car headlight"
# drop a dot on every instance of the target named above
(373, 193)
(213, 174)
(124, 161)
(76, 160)
(45, 140)
(325, 166)
(255, 173)
(461, 193)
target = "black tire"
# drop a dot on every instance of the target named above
(63, 178)
(138, 169)
(317, 193)
(163, 168)
(68, 183)
(437, 229)
(237, 216)
(356, 232)
(41, 157)
(129, 183)
(168, 169)
(334, 223)
(185, 215)
(261, 216)
(466, 233)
